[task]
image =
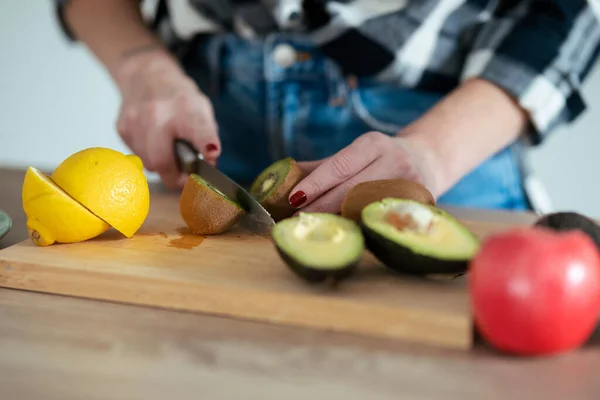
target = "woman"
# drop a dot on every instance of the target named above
(443, 92)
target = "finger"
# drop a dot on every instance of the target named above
(140, 126)
(127, 127)
(169, 173)
(310, 166)
(204, 137)
(331, 201)
(173, 181)
(182, 180)
(337, 169)
(122, 126)
(159, 149)
(198, 126)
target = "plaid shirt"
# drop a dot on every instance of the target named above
(539, 51)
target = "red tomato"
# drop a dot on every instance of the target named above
(535, 291)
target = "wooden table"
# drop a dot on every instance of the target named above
(62, 348)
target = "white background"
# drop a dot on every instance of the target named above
(55, 99)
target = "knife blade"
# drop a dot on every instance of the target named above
(257, 219)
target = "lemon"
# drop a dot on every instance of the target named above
(53, 216)
(136, 160)
(109, 184)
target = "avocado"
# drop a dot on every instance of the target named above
(319, 246)
(205, 209)
(570, 220)
(415, 238)
(370, 191)
(272, 187)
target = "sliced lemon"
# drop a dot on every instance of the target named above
(53, 216)
(109, 184)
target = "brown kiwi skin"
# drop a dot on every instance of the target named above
(206, 212)
(277, 204)
(368, 192)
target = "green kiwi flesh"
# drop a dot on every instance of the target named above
(273, 186)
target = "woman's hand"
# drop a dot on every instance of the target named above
(160, 104)
(371, 156)
(456, 135)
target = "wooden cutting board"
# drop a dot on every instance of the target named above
(240, 275)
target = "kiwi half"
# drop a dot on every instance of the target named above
(273, 186)
(205, 209)
(368, 192)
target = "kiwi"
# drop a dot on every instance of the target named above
(568, 221)
(371, 191)
(273, 186)
(205, 209)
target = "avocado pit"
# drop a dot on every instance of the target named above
(412, 217)
(313, 229)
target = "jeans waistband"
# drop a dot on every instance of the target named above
(277, 57)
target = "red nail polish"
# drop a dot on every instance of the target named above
(298, 199)
(211, 147)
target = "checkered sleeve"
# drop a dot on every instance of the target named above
(539, 51)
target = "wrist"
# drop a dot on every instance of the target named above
(464, 129)
(426, 158)
(142, 60)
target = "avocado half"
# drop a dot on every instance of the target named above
(569, 221)
(205, 209)
(319, 246)
(415, 238)
(273, 185)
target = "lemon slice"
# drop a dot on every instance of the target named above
(53, 216)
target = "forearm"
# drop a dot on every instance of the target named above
(464, 129)
(114, 31)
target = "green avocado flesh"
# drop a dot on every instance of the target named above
(416, 238)
(203, 182)
(267, 182)
(318, 245)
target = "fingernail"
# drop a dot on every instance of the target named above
(211, 147)
(298, 199)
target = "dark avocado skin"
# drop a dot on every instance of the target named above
(402, 259)
(568, 221)
(314, 275)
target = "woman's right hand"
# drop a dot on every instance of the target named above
(160, 104)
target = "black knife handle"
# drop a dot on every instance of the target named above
(186, 157)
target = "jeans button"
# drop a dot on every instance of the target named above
(284, 55)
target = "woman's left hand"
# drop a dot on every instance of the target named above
(371, 156)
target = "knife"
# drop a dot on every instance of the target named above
(257, 219)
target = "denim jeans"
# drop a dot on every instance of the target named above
(267, 109)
